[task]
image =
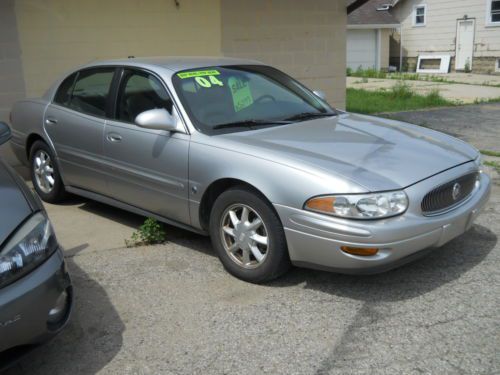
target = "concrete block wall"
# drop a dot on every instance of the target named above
(306, 39)
(12, 87)
(57, 35)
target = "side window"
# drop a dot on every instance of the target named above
(91, 91)
(420, 15)
(63, 94)
(140, 92)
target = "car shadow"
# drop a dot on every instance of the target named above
(92, 338)
(439, 267)
(174, 234)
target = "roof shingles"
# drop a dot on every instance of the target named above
(367, 14)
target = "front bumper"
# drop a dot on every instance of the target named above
(25, 305)
(314, 240)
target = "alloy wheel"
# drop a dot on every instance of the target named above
(44, 171)
(244, 236)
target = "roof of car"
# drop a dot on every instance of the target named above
(176, 63)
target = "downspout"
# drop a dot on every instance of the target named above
(400, 47)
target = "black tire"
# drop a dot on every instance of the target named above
(57, 192)
(276, 260)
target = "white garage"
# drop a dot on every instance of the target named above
(369, 29)
(362, 49)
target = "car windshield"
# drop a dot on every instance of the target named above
(245, 96)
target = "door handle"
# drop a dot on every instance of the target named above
(50, 121)
(113, 137)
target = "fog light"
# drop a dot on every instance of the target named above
(57, 313)
(363, 251)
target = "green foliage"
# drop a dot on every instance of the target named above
(400, 98)
(467, 66)
(490, 153)
(149, 233)
(493, 164)
(366, 73)
(402, 90)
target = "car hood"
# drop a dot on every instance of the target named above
(13, 204)
(375, 153)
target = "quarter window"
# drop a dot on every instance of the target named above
(420, 15)
(91, 91)
(140, 91)
(494, 14)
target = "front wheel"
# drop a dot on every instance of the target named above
(248, 236)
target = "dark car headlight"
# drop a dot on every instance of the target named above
(30, 246)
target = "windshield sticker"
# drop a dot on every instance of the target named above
(198, 73)
(240, 91)
(207, 83)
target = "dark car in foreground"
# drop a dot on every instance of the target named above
(35, 288)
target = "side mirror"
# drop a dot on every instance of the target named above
(158, 119)
(4, 133)
(320, 94)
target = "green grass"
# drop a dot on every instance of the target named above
(399, 98)
(486, 100)
(493, 164)
(490, 153)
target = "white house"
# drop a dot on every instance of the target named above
(447, 35)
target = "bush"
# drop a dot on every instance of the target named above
(348, 72)
(149, 233)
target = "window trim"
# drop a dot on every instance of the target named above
(414, 15)
(489, 22)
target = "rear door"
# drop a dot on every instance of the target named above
(75, 122)
(148, 168)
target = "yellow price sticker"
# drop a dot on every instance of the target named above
(198, 73)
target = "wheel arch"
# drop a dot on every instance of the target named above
(215, 189)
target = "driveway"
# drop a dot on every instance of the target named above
(171, 309)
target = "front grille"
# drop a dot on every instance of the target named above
(448, 195)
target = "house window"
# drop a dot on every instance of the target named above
(494, 11)
(419, 15)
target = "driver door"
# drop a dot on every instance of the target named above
(148, 168)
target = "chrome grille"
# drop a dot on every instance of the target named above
(448, 195)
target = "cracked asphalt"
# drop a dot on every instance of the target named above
(172, 309)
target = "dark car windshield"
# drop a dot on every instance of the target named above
(245, 96)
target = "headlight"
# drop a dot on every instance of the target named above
(360, 206)
(32, 244)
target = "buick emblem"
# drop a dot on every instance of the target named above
(456, 191)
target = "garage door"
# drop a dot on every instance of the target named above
(361, 49)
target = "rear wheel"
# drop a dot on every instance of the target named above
(248, 236)
(45, 174)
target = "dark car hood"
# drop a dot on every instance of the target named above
(14, 207)
(378, 154)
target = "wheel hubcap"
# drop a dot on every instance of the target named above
(244, 236)
(44, 171)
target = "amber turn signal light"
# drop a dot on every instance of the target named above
(363, 251)
(322, 204)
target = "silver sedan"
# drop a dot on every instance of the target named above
(243, 152)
